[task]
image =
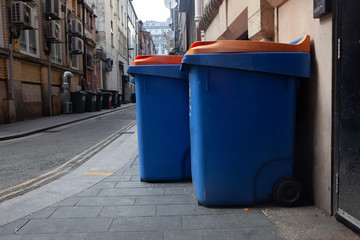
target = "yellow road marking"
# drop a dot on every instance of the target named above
(106, 169)
(99, 173)
(33, 185)
(86, 153)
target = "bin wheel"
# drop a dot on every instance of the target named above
(287, 192)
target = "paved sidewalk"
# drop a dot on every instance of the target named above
(121, 207)
(28, 127)
(104, 199)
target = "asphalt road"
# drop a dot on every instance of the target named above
(32, 161)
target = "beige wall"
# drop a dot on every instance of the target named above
(286, 21)
(315, 94)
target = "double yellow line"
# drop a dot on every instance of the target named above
(65, 167)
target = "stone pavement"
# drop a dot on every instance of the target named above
(104, 199)
(122, 207)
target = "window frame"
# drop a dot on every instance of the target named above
(36, 42)
(56, 54)
(76, 57)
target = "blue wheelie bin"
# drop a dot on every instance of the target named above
(162, 106)
(242, 119)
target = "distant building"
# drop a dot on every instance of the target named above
(146, 44)
(159, 32)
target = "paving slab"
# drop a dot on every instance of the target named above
(255, 233)
(182, 210)
(77, 212)
(128, 211)
(209, 222)
(67, 225)
(61, 236)
(153, 235)
(146, 223)
(165, 199)
(105, 201)
(183, 235)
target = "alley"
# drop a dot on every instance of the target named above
(32, 161)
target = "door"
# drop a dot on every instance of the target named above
(347, 112)
(89, 79)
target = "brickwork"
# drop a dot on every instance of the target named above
(34, 70)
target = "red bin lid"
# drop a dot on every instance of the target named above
(157, 60)
(237, 46)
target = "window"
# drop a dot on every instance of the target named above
(75, 61)
(112, 33)
(56, 50)
(119, 40)
(89, 60)
(123, 13)
(118, 8)
(29, 41)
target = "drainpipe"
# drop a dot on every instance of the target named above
(49, 85)
(198, 18)
(84, 40)
(12, 88)
(197, 13)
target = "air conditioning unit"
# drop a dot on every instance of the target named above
(53, 31)
(52, 9)
(77, 45)
(22, 14)
(76, 27)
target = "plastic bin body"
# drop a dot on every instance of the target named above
(162, 101)
(78, 101)
(99, 97)
(106, 101)
(114, 98)
(242, 121)
(90, 101)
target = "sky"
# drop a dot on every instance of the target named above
(151, 10)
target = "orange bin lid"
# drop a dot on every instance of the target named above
(157, 60)
(237, 46)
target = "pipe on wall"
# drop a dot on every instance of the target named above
(198, 15)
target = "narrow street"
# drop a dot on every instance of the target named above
(33, 161)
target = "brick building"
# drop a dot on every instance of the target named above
(51, 38)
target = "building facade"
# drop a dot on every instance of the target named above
(132, 39)
(327, 131)
(112, 45)
(36, 51)
(160, 32)
(146, 45)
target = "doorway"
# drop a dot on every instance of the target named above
(346, 113)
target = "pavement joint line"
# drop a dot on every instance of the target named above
(63, 168)
(63, 124)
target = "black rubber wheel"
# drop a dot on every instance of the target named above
(287, 192)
